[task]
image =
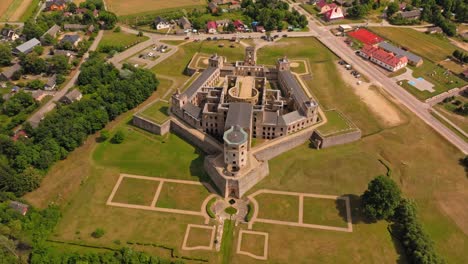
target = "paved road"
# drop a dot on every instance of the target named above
(49, 106)
(417, 107)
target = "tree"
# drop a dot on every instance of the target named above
(392, 9)
(118, 137)
(99, 232)
(48, 40)
(381, 198)
(57, 64)
(32, 64)
(5, 55)
(105, 134)
(456, 54)
(36, 84)
(109, 19)
(38, 50)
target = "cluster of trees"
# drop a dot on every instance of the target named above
(460, 56)
(272, 13)
(33, 64)
(383, 200)
(19, 102)
(5, 54)
(362, 8)
(110, 94)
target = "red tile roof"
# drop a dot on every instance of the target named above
(383, 56)
(238, 23)
(335, 13)
(365, 36)
(211, 24)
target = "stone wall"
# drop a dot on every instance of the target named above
(283, 144)
(253, 177)
(321, 141)
(143, 123)
(217, 178)
(203, 143)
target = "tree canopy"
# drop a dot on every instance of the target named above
(381, 198)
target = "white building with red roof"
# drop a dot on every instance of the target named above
(239, 25)
(382, 58)
(324, 7)
(333, 14)
(211, 27)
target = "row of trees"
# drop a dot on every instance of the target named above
(460, 56)
(110, 94)
(383, 200)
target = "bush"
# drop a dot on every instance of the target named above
(208, 208)
(250, 212)
(381, 198)
(104, 135)
(99, 232)
(118, 137)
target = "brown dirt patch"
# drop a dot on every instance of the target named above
(294, 64)
(20, 11)
(4, 4)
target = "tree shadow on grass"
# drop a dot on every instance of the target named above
(356, 213)
(197, 170)
(464, 163)
(398, 246)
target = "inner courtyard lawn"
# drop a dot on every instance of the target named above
(199, 237)
(135, 191)
(329, 212)
(278, 207)
(182, 196)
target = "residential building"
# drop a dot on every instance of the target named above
(184, 23)
(235, 7)
(161, 23)
(413, 59)
(38, 95)
(323, 7)
(413, 14)
(7, 74)
(55, 5)
(211, 27)
(239, 25)
(52, 31)
(72, 96)
(434, 30)
(72, 39)
(19, 207)
(382, 58)
(74, 27)
(333, 14)
(10, 34)
(223, 22)
(51, 83)
(27, 47)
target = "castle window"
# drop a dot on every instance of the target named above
(233, 162)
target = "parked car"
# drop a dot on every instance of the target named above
(186, 38)
(285, 35)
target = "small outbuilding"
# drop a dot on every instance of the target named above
(72, 96)
(27, 47)
(19, 207)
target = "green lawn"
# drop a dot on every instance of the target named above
(336, 123)
(278, 207)
(448, 110)
(227, 246)
(253, 243)
(119, 39)
(157, 112)
(199, 237)
(182, 196)
(136, 191)
(327, 212)
(30, 11)
(432, 47)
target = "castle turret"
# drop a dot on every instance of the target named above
(283, 64)
(249, 58)
(235, 148)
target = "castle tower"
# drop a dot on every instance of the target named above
(235, 149)
(216, 61)
(250, 56)
(283, 64)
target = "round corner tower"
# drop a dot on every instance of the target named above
(236, 142)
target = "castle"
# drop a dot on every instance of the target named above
(237, 104)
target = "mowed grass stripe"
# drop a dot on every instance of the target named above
(125, 7)
(12, 5)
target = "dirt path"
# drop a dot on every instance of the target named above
(377, 103)
(20, 10)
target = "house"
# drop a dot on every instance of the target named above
(260, 29)
(51, 83)
(402, 6)
(81, 11)
(27, 47)
(382, 58)
(74, 27)
(72, 39)
(221, 2)
(345, 28)
(324, 7)
(161, 23)
(8, 73)
(72, 96)
(9, 34)
(223, 22)
(184, 23)
(19, 207)
(55, 5)
(333, 14)
(19, 134)
(38, 95)
(413, 14)
(52, 31)
(96, 13)
(211, 27)
(239, 25)
(67, 53)
(213, 7)
(344, 2)
(434, 30)
(465, 73)
(413, 59)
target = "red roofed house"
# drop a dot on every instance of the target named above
(333, 14)
(382, 58)
(239, 25)
(211, 27)
(55, 5)
(19, 134)
(324, 7)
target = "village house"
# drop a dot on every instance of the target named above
(38, 95)
(333, 14)
(74, 27)
(52, 31)
(223, 22)
(211, 27)
(9, 34)
(235, 7)
(184, 23)
(323, 7)
(72, 96)
(413, 14)
(382, 58)
(434, 30)
(72, 39)
(161, 23)
(51, 83)
(413, 59)
(239, 25)
(27, 47)
(19, 207)
(55, 5)
(8, 73)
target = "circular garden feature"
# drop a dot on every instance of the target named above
(230, 210)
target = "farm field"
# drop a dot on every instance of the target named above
(429, 46)
(124, 7)
(4, 7)
(435, 180)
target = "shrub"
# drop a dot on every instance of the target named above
(99, 232)
(230, 210)
(250, 211)
(104, 135)
(208, 208)
(118, 137)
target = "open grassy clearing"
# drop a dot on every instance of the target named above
(327, 212)
(124, 7)
(182, 196)
(278, 207)
(199, 237)
(253, 243)
(335, 123)
(157, 112)
(227, 245)
(429, 46)
(135, 191)
(119, 39)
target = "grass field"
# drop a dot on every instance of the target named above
(278, 207)
(253, 243)
(30, 10)
(335, 123)
(448, 110)
(123, 7)
(199, 237)
(135, 191)
(119, 39)
(8, 8)
(429, 46)
(157, 112)
(327, 212)
(182, 196)
(227, 247)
